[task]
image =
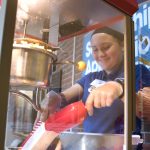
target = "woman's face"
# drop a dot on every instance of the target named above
(107, 51)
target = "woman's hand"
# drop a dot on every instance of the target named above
(49, 105)
(103, 96)
(143, 104)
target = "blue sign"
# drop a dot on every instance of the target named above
(141, 1)
(87, 57)
(142, 34)
(142, 41)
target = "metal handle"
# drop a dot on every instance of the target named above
(27, 98)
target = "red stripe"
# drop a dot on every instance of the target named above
(20, 34)
(85, 30)
(127, 6)
(93, 27)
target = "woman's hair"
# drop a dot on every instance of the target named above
(116, 34)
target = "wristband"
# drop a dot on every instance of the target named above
(121, 82)
(64, 102)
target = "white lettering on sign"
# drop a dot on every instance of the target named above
(143, 48)
(92, 66)
(142, 31)
(88, 50)
(142, 17)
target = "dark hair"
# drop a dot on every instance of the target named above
(118, 35)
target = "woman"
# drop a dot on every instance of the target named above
(104, 103)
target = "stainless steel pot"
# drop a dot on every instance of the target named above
(31, 65)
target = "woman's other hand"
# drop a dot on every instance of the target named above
(49, 104)
(103, 96)
(143, 104)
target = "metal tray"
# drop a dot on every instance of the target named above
(88, 141)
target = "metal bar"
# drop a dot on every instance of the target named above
(54, 27)
(128, 108)
(73, 59)
(25, 28)
(28, 99)
(7, 26)
(66, 62)
(45, 30)
(133, 77)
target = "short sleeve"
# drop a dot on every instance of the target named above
(83, 80)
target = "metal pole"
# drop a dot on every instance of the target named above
(73, 59)
(54, 27)
(129, 84)
(25, 27)
(7, 26)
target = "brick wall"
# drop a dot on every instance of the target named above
(67, 54)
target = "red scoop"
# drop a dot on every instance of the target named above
(46, 132)
(66, 118)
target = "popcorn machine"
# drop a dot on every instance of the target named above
(31, 32)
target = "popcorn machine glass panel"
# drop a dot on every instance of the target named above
(56, 22)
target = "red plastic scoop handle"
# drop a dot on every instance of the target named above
(66, 118)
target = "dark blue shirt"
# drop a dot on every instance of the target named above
(142, 74)
(142, 77)
(106, 119)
